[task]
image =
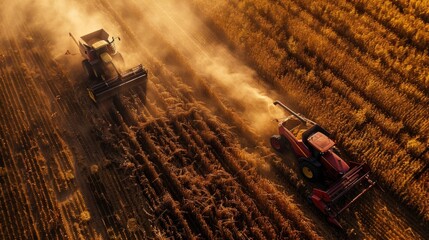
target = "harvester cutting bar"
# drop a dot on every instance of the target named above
(371, 184)
(353, 177)
(357, 176)
(128, 79)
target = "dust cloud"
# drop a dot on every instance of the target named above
(187, 32)
(179, 25)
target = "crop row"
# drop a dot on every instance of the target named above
(330, 57)
(171, 158)
(52, 82)
(396, 62)
(406, 25)
(39, 169)
(314, 68)
(162, 134)
(143, 181)
(29, 203)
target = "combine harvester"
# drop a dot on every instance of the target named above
(102, 65)
(340, 183)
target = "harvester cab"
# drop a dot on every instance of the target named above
(104, 65)
(341, 183)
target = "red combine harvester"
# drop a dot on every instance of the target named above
(342, 182)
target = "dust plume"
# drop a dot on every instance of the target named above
(210, 58)
(179, 25)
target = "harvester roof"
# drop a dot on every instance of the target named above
(321, 142)
(99, 44)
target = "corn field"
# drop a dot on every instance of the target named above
(187, 155)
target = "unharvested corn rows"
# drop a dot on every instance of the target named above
(351, 71)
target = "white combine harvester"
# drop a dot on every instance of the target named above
(102, 65)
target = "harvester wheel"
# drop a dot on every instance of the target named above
(88, 69)
(309, 170)
(278, 143)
